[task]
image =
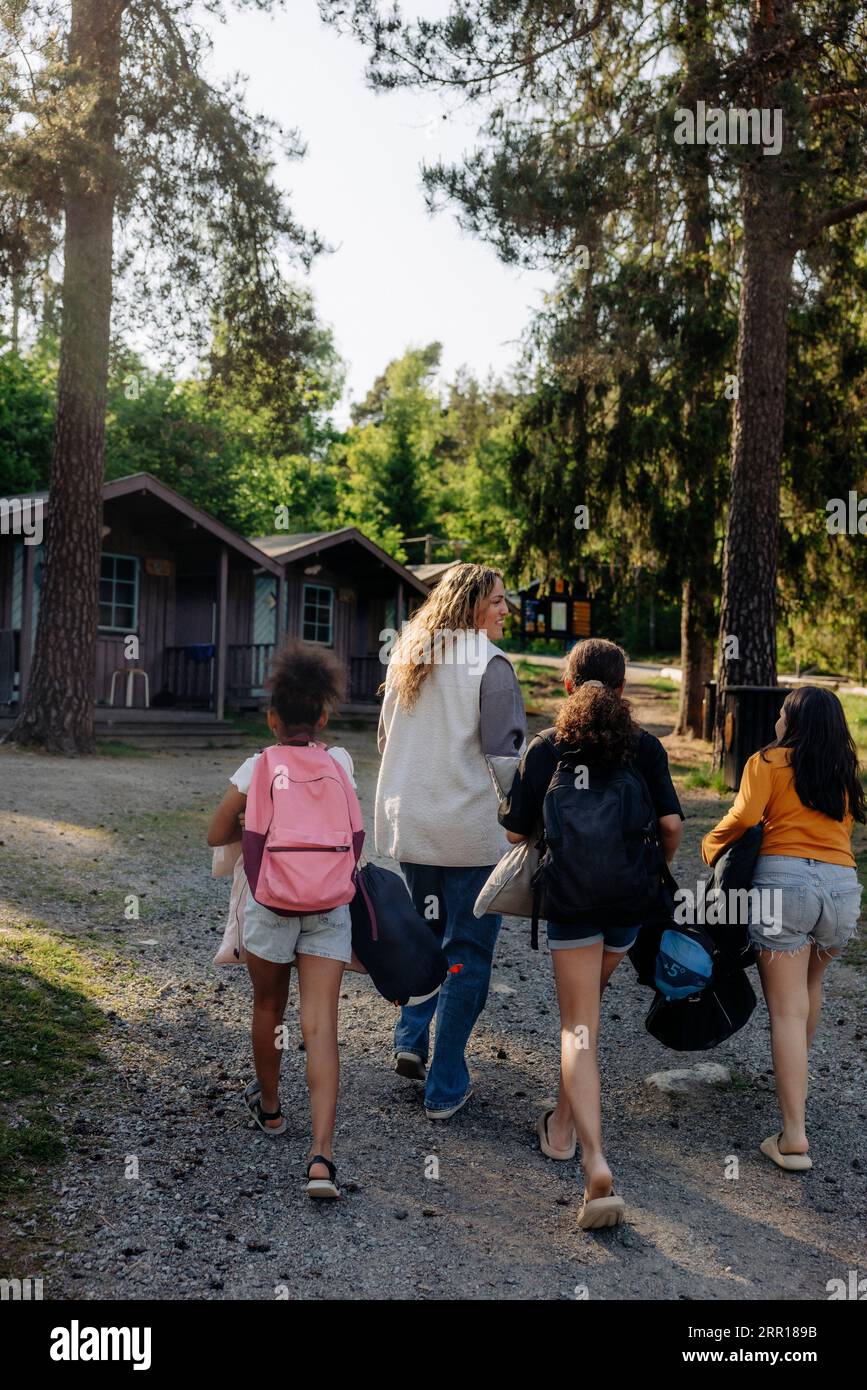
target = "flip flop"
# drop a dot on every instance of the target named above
(545, 1144)
(254, 1105)
(601, 1211)
(793, 1163)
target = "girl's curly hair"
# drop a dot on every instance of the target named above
(305, 682)
(594, 717)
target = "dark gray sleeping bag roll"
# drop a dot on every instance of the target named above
(396, 946)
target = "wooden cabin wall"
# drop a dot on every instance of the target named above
(357, 625)
(174, 610)
(156, 602)
(6, 549)
(240, 601)
(156, 616)
(343, 631)
(373, 624)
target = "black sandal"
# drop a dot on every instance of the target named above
(322, 1187)
(254, 1105)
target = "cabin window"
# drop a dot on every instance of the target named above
(317, 624)
(118, 593)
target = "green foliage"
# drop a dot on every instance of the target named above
(706, 778)
(576, 167)
(825, 449)
(389, 453)
(855, 708)
(541, 686)
(217, 450)
(538, 646)
(26, 422)
(206, 228)
(469, 486)
(663, 684)
(419, 460)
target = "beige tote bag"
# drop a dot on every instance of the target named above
(509, 890)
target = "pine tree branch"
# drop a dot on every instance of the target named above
(494, 73)
(173, 33)
(854, 97)
(830, 219)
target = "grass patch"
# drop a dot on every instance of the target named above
(541, 646)
(116, 748)
(704, 778)
(656, 658)
(855, 707)
(51, 1026)
(661, 683)
(255, 727)
(531, 670)
(540, 686)
(174, 824)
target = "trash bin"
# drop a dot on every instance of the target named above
(749, 715)
(708, 711)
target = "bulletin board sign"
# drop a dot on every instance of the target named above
(559, 610)
(580, 618)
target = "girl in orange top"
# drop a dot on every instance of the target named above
(805, 790)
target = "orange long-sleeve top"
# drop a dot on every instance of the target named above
(767, 794)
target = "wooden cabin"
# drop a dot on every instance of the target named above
(205, 604)
(341, 591)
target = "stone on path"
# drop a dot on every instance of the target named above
(684, 1081)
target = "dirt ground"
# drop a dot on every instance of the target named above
(167, 1193)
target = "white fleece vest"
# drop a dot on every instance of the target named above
(435, 801)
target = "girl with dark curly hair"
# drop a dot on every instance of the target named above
(306, 685)
(594, 721)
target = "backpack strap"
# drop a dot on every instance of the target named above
(534, 924)
(537, 894)
(551, 740)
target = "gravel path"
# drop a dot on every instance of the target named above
(465, 1210)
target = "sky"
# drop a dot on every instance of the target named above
(397, 277)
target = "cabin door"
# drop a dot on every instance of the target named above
(264, 617)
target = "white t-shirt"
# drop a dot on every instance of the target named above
(244, 776)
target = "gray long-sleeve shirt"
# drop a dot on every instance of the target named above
(502, 719)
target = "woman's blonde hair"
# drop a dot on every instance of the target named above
(452, 607)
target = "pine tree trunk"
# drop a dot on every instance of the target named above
(748, 610)
(696, 654)
(57, 711)
(699, 463)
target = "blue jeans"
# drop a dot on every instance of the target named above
(468, 941)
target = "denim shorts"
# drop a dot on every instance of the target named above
(280, 939)
(803, 902)
(563, 937)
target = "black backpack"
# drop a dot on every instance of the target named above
(601, 848)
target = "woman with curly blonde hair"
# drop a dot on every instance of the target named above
(451, 697)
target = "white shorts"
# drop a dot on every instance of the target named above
(280, 939)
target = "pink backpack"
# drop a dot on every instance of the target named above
(303, 831)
